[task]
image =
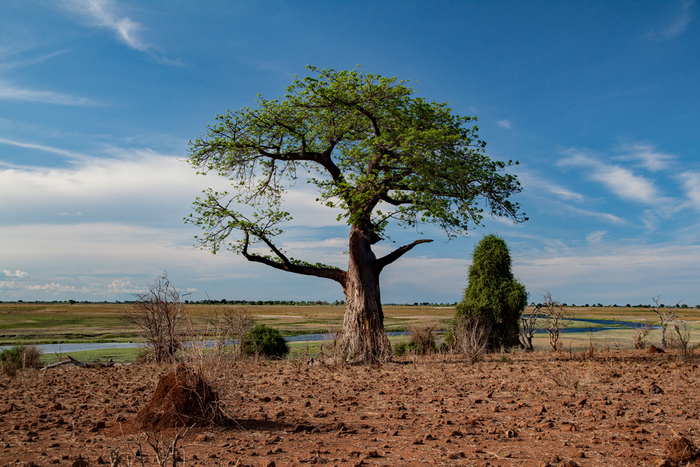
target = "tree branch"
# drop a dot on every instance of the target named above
(398, 253)
(285, 264)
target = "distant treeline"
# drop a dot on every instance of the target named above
(241, 302)
(300, 303)
(335, 303)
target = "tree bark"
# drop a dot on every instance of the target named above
(364, 339)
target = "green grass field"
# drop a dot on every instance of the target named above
(28, 323)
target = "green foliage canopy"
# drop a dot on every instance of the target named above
(372, 149)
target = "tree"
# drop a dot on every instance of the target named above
(493, 296)
(373, 150)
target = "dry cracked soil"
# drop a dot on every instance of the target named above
(617, 408)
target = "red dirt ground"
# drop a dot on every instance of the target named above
(617, 408)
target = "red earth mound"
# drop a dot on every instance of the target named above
(182, 398)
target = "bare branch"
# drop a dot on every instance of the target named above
(398, 253)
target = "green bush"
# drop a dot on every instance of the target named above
(266, 341)
(20, 356)
(494, 297)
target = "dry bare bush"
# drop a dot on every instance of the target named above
(565, 377)
(642, 331)
(211, 352)
(680, 339)
(556, 320)
(158, 313)
(666, 317)
(469, 337)
(165, 450)
(422, 340)
(330, 352)
(226, 330)
(528, 326)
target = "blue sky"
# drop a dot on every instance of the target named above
(599, 101)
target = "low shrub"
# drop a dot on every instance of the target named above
(407, 348)
(266, 341)
(19, 356)
(422, 340)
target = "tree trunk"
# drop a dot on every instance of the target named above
(364, 339)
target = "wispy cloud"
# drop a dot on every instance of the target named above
(647, 155)
(691, 184)
(596, 237)
(9, 91)
(677, 25)
(41, 147)
(103, 14)
(604, 216)
(8, 65)
(505, 124)
(618, 180)
(531, 181)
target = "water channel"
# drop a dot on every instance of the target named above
(601, 325)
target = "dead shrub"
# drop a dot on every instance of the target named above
(680, 339)
(158, 313)
(556, 320)
(330, 352)
(422, 337)
(528, 326)
(469, 337)
(642, 331)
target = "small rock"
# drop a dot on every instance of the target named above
(80, 463)
(568, 427)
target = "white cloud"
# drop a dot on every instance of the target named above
(104, 14)
(41, 147)
(596, 237)
(120, 286)
(533, 183)
(5, 65)
(18, 273)
(612, 270)
(647, 155)
(677, 25)
(627, 185)
(617, 179)
(56, 288)
(9, 91)
(505, 124)
(691, 183)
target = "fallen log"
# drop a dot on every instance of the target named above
(70, 360)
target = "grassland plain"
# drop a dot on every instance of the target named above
(55, 323)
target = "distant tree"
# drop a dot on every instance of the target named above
(375, 152)
(493, 296)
